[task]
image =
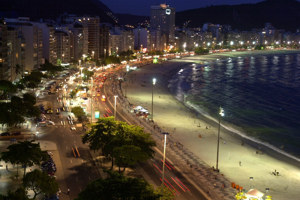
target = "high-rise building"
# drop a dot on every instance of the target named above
(114, 41)
(62, 39)
(4, 68)
(33, 46)
(104, 41)
(93, 27)
(127, 40)
(52, 46)
(163, 20)
(15, 54)
(76, 41)
(157, 40)
(141, 38)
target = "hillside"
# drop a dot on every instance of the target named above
(282, 14)
(135, 20)
(36, 9)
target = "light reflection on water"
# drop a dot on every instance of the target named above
(261, 94)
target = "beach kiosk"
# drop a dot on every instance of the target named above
(254, 194)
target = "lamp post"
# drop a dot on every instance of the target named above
(92, 100)
(164, 159)
(81, 68)
(221, 114)
(153, 83)
(115, 107)
(125, 87)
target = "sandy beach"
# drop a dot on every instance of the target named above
(238, 160)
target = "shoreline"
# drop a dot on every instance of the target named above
(165, 97)
(236, 130)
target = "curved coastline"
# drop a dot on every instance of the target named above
(166, 70)
(257, 143)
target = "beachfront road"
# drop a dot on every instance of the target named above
(151, 170)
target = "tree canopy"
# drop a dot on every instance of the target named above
(126, 55)
(26, 153)
(50, 68)
(79, 113)
(87, 74)
(15, 111)
(41, 183)
(201, 51)
(127, 144)
(19, 194)
(33, 79)
(118, 187)
(112, 60)
(6, 87)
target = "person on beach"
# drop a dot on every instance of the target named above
(240, 163)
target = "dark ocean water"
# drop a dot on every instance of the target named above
(260, 94)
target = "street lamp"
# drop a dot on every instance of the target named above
(164, 159)
(125, 87)
(81, 68)
(115, 107)
(153, 83)
(184, 46)
(221, 114)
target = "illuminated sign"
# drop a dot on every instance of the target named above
(168, 11)
(155, 60)
(97, 114)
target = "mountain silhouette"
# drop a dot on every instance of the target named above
(51, 9)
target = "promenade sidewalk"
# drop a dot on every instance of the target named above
(190, 165)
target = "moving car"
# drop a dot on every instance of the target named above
(51, 123)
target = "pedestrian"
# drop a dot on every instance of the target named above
(68, 192)
(240, 163)
(6, 168)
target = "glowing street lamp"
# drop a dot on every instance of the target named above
(84, 56)
(164, 158)
(81, 68)
(153, 83)
(184, 46)
(221, 114)
(115, 107)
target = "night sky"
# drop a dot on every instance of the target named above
(142, 7)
